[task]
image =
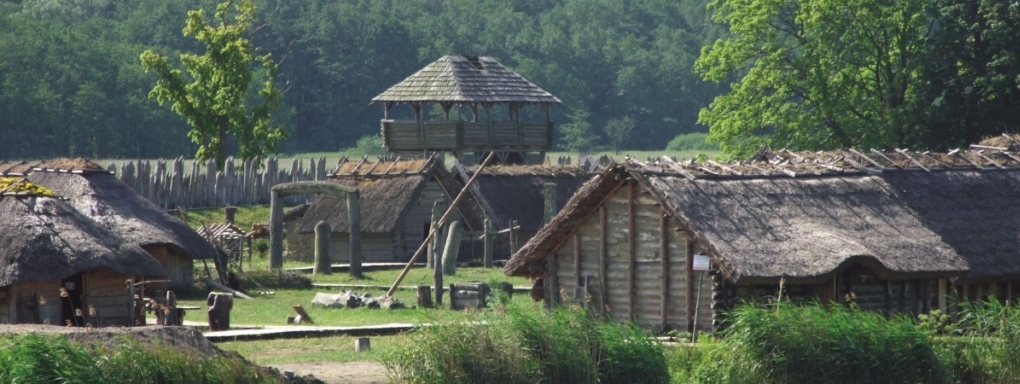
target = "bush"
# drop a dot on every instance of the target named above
(371, 145)
(691, 142)
(525, 346)
(276, 279)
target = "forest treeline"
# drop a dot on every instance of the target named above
(71, 83)
(800, 74)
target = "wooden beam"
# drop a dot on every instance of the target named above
(577, 256)
(372, 168)
(986, 158)
(552, 283)
(631, 252)
(868, 159)
(942, 295)
(972, 162)
(882, 155)
(603, 261)
(1010, 156)
(664, 266)
(888, 299)
(689, 287)
(903, 296)
(912, 159)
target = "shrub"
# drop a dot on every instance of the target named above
(276, 279)
(523, 346)
(691, 142)
(371, 145)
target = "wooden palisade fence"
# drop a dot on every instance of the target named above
(166, 183)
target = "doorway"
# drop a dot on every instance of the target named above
(72, 307)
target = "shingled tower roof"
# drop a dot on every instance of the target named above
(466, 79)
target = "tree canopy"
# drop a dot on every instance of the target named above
(213, 98)
(822, 74)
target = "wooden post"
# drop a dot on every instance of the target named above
(903, 296)
(437, 212)
(664, 266)
(513, 237)
(323, 257)
(577, 259)
(549, 196)
(437, 275)
(552, 283)
(888, 299)
(631, 253)
(171, 310)
(354, 218)
(275, 231)
(689, 287)
(942, 295)
(452, 249)
(487, 243)
(603, 261)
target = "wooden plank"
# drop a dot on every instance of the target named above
(603, 261)
(888, 298)
(631, 250)
(664, 267)
(577, 255)
(903, 296)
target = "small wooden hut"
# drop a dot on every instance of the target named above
(96, 193)
(891, 232)
(397, 198)
(474, 82)
(60, 267)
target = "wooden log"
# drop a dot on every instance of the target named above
(549, 199)
(452, 249)
(487, 243)
(942, 295)
(603, 261)
(437, 275)
(664, 267)
(303, 316)
(689, 287)
(425, 296)
(903, 296)
(354, 218)
(888, 299)
(275, 231)
(552, 282)
(362, 344)
(437, 212)
(631, 253)
(323, 259)
(171, 316)
(225, 288)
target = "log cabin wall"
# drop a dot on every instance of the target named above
(106, 291)
(418, 215)
(35, 303)
(179, 268)
(627, 251)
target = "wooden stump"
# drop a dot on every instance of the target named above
(452, 248)
(322, 253)
(362, 344)
(219, 305)
(424, 296)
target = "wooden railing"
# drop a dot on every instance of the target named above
(467, 136)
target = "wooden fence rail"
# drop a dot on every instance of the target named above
(168, 185)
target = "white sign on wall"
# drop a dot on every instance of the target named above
(701, 262)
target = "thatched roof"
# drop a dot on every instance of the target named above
(515, 192)
(76, 165)
(976, 213)
(364, 168)
(383, 203)
(116, 206)
(43, 238)
(468, 80)
(802, 216)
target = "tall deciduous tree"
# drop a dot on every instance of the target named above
(213, 97)
(816, 73)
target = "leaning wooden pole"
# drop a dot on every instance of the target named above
(449, 211)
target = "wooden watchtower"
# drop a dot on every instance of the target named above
(472, 82)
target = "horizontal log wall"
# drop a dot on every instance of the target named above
(106, 291)
(45, 295)
(171, 184)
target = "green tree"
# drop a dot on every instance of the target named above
(816, 74)
(213, 98)
(578, 134)
(618, 132)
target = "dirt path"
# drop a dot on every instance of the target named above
(357, 372)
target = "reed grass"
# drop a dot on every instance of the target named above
(33, 358)
(521, 344)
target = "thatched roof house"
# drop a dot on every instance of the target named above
(46, 245)
(99, 195)
(396, 207)
(890, 231)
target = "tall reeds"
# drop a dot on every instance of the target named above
(522, 345)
